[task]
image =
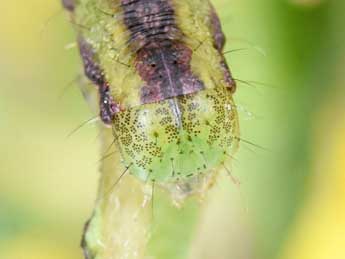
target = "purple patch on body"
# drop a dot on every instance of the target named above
(165, 67)
(93, 71)
(219, 42)
(108, 107)
(162, 60)
(149, 21)
(218, 35)
(69, 5)
(230, 82)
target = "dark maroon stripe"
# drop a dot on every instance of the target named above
(165, 67)
(219, 42)
(218, 35)
(91, 68)
(162, 60)
(107, 105)
(146, 19)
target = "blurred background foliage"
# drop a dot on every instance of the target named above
(291, 202)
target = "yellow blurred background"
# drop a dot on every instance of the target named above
(295, 192)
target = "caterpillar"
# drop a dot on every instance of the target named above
(163, 86)
(163, 83)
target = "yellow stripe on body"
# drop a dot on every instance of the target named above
(194, 19)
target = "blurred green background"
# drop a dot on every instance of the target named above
(293, 193)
